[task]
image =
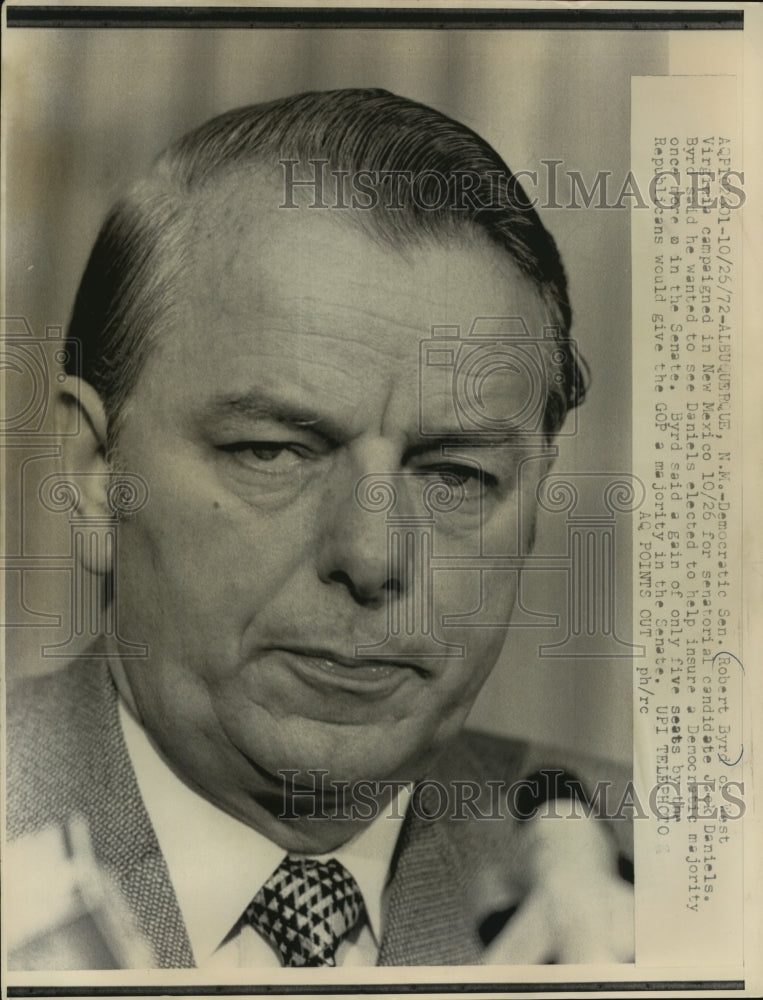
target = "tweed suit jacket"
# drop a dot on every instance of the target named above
(66, 756)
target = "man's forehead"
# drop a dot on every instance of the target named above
(246, 206)
(307, 286)
(240, 234)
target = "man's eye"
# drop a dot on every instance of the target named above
(266, 452)
(473, 480)
(278, 456)
(461, 473)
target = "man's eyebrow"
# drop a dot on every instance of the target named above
(505, 438)
(258, 405)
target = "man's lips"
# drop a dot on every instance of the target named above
(327, 667)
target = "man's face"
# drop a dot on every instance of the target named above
(255, 571)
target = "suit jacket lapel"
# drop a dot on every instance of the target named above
(122, 835)
(427, 920)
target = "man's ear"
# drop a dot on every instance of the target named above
(82, 425)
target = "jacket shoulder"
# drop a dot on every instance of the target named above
(490, 777)
(483, 756)
(57, 725)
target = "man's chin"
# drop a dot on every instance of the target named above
(335, 780)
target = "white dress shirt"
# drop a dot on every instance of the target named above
(217, 864)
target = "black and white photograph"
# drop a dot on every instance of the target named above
(378, 402)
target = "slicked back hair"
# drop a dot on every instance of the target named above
(131, 281)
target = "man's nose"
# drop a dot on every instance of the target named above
(354, 551)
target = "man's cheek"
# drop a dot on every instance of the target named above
(489, 596)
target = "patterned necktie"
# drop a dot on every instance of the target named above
(305, 909)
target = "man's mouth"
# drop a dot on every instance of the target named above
(328, 668)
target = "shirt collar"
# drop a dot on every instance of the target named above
(217, 863)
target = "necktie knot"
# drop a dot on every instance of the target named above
(305, 909)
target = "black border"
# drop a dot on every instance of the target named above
(426, 989)
(77, 16)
